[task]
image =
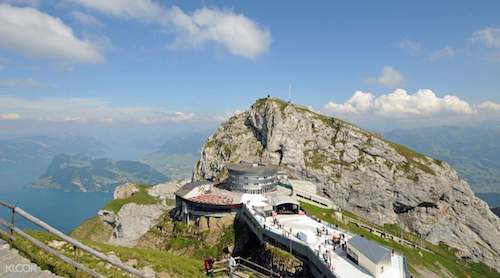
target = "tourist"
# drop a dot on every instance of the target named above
(209, 264)
(232, 266)
(325, 256)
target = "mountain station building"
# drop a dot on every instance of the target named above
(263, 198)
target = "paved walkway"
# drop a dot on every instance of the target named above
(14, 265)
(289, 226)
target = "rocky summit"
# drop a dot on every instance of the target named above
(359, 171)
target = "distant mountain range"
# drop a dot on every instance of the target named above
(177, 156)
(77, 173)
(473, 152)
(24, 159)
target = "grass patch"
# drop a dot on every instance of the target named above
(442, 256)
(92, 229)
(229, 149)
(210, 143)
(184, 239)
(315, 159)
(141, 198)
(174, 265)
(412, 156)
(281, 104)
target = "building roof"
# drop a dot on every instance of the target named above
(373, 251)
(185, 189)
(252, 168)
(303, 185)
(214, 199)
(277, 200)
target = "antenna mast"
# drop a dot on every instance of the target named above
(289, 92)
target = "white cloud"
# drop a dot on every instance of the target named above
(85, 19)
(132, 9)
(390, 78)
(240, 35)
(489, 106)
(488, 36)
(237, 33)
(24, 82)
(443, 53)
(34, 33)
(87, 110)
(412, 47)
(10, 117)
(399, 103)
(358, 103)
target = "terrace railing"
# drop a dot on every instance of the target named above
(246, 265)
(14, 231)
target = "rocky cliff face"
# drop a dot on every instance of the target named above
(132, 220)
(361, 172)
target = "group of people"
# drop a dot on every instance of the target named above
(327, 247)
(209, 266)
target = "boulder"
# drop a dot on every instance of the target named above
(135, 220)
(167, 190)
(125, 191)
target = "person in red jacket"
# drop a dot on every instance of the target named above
(209, 264)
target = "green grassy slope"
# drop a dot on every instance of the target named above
(441, 260)
(176, 266)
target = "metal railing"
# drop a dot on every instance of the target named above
(247, 265)
(300, 247)
(14, 231)
(384, 234)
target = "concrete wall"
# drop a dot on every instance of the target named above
(307, 191)
(252, 182)
(317, 266)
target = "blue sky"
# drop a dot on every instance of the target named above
(189, 61)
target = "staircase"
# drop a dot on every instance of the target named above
(14, 265)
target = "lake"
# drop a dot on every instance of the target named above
(62, 210)
(493, 199)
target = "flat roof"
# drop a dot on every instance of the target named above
(373, 251)
(185, 189)
(303, 185)
(253, 168)
(277, 200)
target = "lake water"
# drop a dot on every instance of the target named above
(62, 210)
(493, 199)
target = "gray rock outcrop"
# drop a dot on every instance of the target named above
(125, 191)
(361, 172)
(133, 221)
(166, 190)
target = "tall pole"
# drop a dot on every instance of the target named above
(290, 92)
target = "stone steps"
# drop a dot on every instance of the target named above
(12, 264)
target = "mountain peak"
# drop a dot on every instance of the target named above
(360, 171)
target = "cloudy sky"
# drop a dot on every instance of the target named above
(148, 62)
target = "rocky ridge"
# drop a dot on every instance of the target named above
(360, 171)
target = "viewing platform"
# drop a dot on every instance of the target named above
(323, 247)
(269, 205)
